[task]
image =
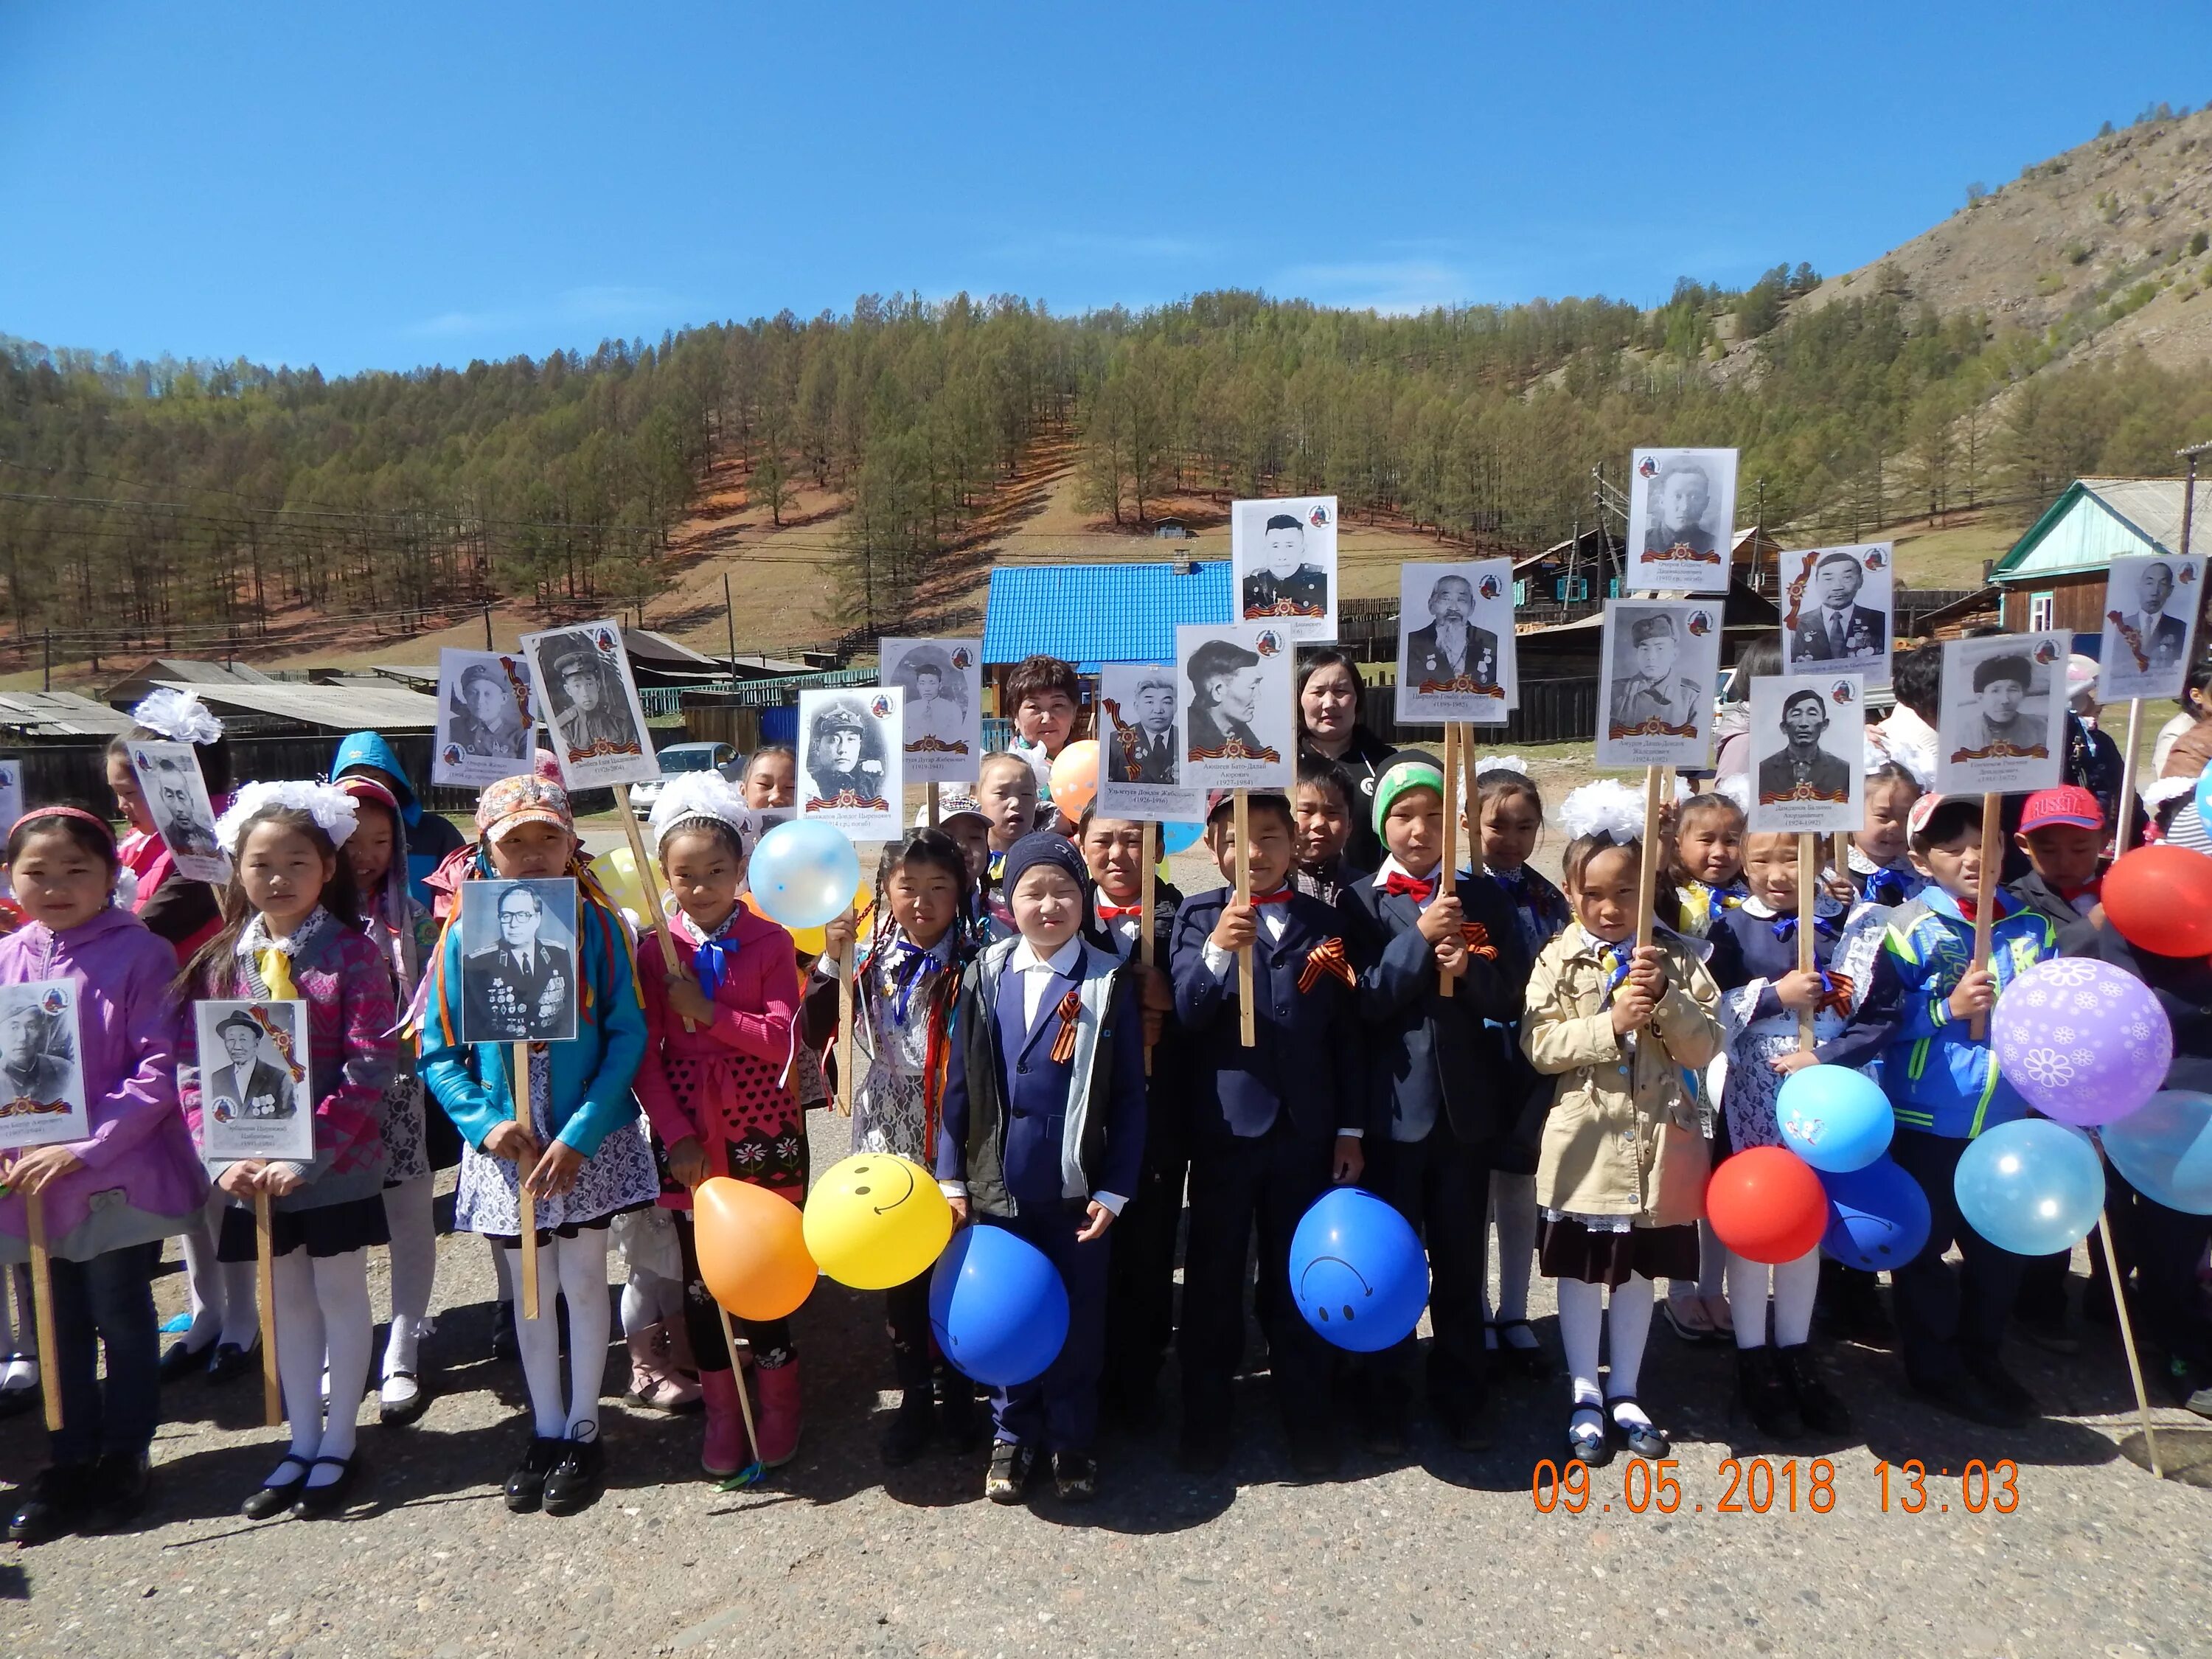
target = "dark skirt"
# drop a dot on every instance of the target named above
(326, 1230)
(567, 1229)
(1568, 1249)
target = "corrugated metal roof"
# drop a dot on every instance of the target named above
(58, 714)
(355, 708)
(1088, 614)
(2097, 520)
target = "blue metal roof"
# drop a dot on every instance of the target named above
(1088, 614)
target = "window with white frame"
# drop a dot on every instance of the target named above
(2041, 607)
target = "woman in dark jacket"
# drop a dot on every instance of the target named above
(1328, 726)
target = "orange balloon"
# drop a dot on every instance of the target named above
(752, 1251)
(1075, 779)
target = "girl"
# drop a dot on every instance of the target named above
(111, 1197)
(1705, 872)
(1509, 815)
(583, 1158)
(1321, 815)
(771, 778)
(405, 936)
(1881, 862)
(1621, 1175)
(906, 980)
(715, 1090)
(288, 931)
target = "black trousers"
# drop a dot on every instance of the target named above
(1266, 1183)
(106, 1302)
(1949, 1319)
(1141, 1282)
(702, 1317)
(1441, 1187)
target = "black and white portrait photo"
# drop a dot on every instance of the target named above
(2150, 615)
(519, 961)
(2003, 719)
(1808, 748)
(1836, 609)
(1456, 641)
(41, 1069)
(1237, 706)
(484, 718)
(1284, 555)
(1141, 716)
(591, 706)
(1681, 520)
(942, 718)
(1660, 661)
(168, 776)
(257, 1098)
(11, 791)
(851, 761)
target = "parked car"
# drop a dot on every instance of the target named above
(680, 758)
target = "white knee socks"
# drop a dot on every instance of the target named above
(1582, 1316)
(1581, 1320)
(1796, 1284)
(1513, 1210)
(576, 1268)
(1627, 1324)
(647, 1299)
(299, 1346)
(414, 1254)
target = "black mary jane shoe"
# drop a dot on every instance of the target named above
(276, 1497)
(178, 1360)
(1587, 1444)
(397, 1414)
(1532, 1363)
(330, 1498)
(229, 1362)
(526, 1485)
(1642, 1439)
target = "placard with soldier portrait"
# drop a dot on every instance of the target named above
(169, 778)
(41, 1065)
(519, 960)
(2001, 728)
(1661, 659)
(1835, 608)
(1283, 554)
(591, 705)
(485, 717)
(1237, 702)
(851, 762)
(1141, 708)
(1456, 643)
(1808, 751)
(942, 718)
(1681, 520)
(2150, 623)
(256, 1096)
(11, 793)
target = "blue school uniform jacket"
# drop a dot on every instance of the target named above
(1936, 1076)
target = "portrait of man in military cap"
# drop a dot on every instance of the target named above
(1660, 659)
(1682, 518)
(584, 688)
(1283, 556)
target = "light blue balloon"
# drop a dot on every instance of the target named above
(2204, 795)
(2032, 1186)
(1835, 1118)
(1181, 837)
(804, 874)
(2165, 1149)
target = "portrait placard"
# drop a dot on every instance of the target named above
(1283, 553)
(169, 778)
(1140, 719)
(41, 1064)
(256, 1096)
(519, 960)
(2003, 726)
(851, 762)
(11, 793)
(1660, 658)
(1681, 520)
(591, 705)
(1456, 643)
(1808, 752)
(2149, 627)
(1836, 610)
(485, 716)
(1236, 722)
(942, 718)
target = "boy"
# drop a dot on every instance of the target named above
(1321, 811)
(1439, 1082)
(1006, 795)
(1945, 1086)
(1045, 696)
(2062, 831)
(1140, 1281)
(1270, 1126)
(1044, 1134)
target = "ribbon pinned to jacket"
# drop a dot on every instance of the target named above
(1325, 958)
(1477, 938)
(1070, 1012)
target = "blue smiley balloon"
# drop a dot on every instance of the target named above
(1878, 1216)
(1356, 1271)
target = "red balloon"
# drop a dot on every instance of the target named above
(2159, 897)
(1767, 1204)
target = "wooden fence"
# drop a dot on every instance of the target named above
(1551, 711)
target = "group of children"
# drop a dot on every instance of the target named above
(1489, 1053)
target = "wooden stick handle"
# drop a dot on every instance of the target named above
(1808, 898)
(1655, 781)
(737, 1376)
(648, 881)
(934, 806)
(1245, 992)
(1448, 868)
(1145, 953)
(1984, 892)
(845, 1028)
(2124, 814)
(525, 1207)
(42, 1308)
(2128, 1339)
(265, 1285)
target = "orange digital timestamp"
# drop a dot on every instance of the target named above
(1761, 1486)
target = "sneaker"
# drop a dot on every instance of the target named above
(1012, 1466)
(56, 1502)
(526, 1485)
(573, 1482)
(960, 1417)
(913, 1426)
(1074, 1477)
(1962, 1396)
(120, 1487)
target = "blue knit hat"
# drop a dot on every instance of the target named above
(1043, 846)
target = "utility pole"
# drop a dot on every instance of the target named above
(487, 621)
(2188, 511)
(730, 616)
(50, 660)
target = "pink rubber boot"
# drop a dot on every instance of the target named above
(725, 1450)
(779, 1412)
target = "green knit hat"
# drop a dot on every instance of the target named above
(1409, 768)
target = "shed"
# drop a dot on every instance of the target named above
(273, 710)
(27, 715)
(2054, 575)
(191, 673)
(1089, 614)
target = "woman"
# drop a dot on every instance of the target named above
(1328, 726)
(1732, 729)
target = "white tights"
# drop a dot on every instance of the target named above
(1795, 1283)
(414, 1254)
(322, 1308)
(577, 1269)
(648, 1299)
(1513, 1212)
(1582, 1315)
(225, 1306)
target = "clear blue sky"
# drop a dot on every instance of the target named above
(403, 182)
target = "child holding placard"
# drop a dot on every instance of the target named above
(136, 1158)
(1705, 869)
(714, 1085)
(290, 931)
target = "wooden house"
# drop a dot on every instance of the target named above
(2054, 575)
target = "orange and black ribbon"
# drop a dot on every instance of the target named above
(24, 1106)
(1070, 1012)
(1835, 994)
(1476, 937)
(1325, 958)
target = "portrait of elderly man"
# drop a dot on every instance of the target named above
(1144, 746)
(1675, 512)
(249, 1086)
(1800, 769)
(2155, 641)
(1451, 653)
(521, 987)
(1838, 629)
(1653, 693)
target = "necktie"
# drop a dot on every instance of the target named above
(1835, 633)
(276, 969)
(1399, 885)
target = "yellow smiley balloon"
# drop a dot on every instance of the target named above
(874, 1221)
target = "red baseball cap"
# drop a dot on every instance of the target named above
(2069, 803)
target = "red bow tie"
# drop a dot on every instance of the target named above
(1115, 912)
(1399, 885)
(2087, 889)
(1280, 895)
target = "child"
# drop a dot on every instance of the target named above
(771, 778)
(1706, 872)
(971, 833)
(1621, 1173)
(1321, 811)
(1763, 991)
(1438, 1086)
(584, 1158)
(1045, 696)
(1509, 816)
(715, 1089)
(1007, 793)
(1044, 1134)
(111, 1197)
(905, 984)
(1946, 1088)
(288, 931)
(2062, 831)
(1270, 1126)
(405, 937)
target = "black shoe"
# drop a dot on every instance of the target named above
(1074, 1477)
(573, 1483)
(1642, 1439)
(2049, 1333)
(503, 1345)
(1765, 1397)
(1588, 1444)
(13, 1402)
(121, 1483)
(1532, 1363)
(526, 1485)
(397, 1414)
(1203, 1451)
(1011, 1468)
(1819, 1406)
(330, 1498)
(274, 1496)
(1382, 1430)
(229, 1362)
(2002, 1386)
(177, 1360)
(913, 1426)
(1463, 1424)
(1962, 1396)
(56, 1502)
(1314, 1455)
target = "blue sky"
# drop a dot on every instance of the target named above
(409, 182)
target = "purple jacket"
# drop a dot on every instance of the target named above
(142, 1179)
